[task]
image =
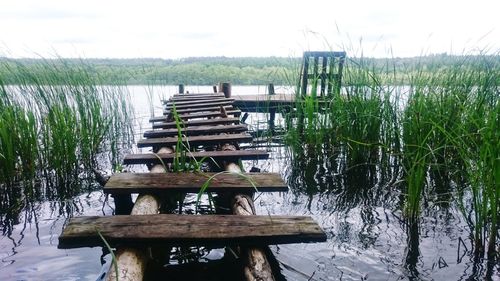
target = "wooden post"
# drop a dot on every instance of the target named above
(181, 88)
(215, 88)
(226, 89)
(256, 267)
(131, 262)
(323, 74)
(270, 89)
(272, 111)
(305, 74)
(272, 117)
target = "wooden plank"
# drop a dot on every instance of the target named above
(199, 94)
(262, 103)
(192, 182)
(197, 115)
(212, 122)
(196, 96)
(150, 158)
(194, 104)
(194, 99)
(180, 102)
(196, 140)
(207, 230)
(199, 109)
(196, 130)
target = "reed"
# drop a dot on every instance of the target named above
(439, 124)
(55, 122)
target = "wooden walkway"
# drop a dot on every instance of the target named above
(207, 130)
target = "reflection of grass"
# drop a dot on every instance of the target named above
(443, 124)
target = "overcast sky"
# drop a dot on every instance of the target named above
(187, 28)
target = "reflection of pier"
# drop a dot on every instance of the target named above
(196, 150)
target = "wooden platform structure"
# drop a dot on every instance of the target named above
(321, 77)
(209, 133)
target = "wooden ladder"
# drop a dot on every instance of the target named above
(329, 75)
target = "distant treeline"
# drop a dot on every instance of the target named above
(211, 70)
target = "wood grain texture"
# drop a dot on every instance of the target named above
(194, 95)
(196, 115)
(198, 109)
(192, 182)
(200, 103)
(207, 122)
(150, 158)
(208, 230)
(196, 140)
(196, 130)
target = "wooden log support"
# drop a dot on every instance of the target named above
(256, 267)
(131, 261)
(272, 110)
(226, 89)
(270, 89)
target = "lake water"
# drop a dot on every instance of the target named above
(358, 209)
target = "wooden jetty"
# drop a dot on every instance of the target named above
(143, 233)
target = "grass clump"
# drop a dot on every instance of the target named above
(56, 123)
(428, 124)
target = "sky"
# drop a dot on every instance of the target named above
(232, 28)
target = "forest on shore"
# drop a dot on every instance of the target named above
(210, 70)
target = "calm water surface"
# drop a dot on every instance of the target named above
(358, 208)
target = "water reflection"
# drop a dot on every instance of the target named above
(358, 199)
(29, 250)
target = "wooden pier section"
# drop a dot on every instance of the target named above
(194, 128)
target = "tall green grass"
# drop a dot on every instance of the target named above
(57, 123)
(438, 124)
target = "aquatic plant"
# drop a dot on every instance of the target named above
(442, 124)
(55, 122)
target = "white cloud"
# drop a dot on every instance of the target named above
(112, 28)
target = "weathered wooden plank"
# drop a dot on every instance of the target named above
(208, 230)
(196, 140)
(182, 102)
(212, 122)
(198, 109)
(196, 130)
(150, 158)
(199, 95)
(196, 104)
(198, 115)
(192, 182)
